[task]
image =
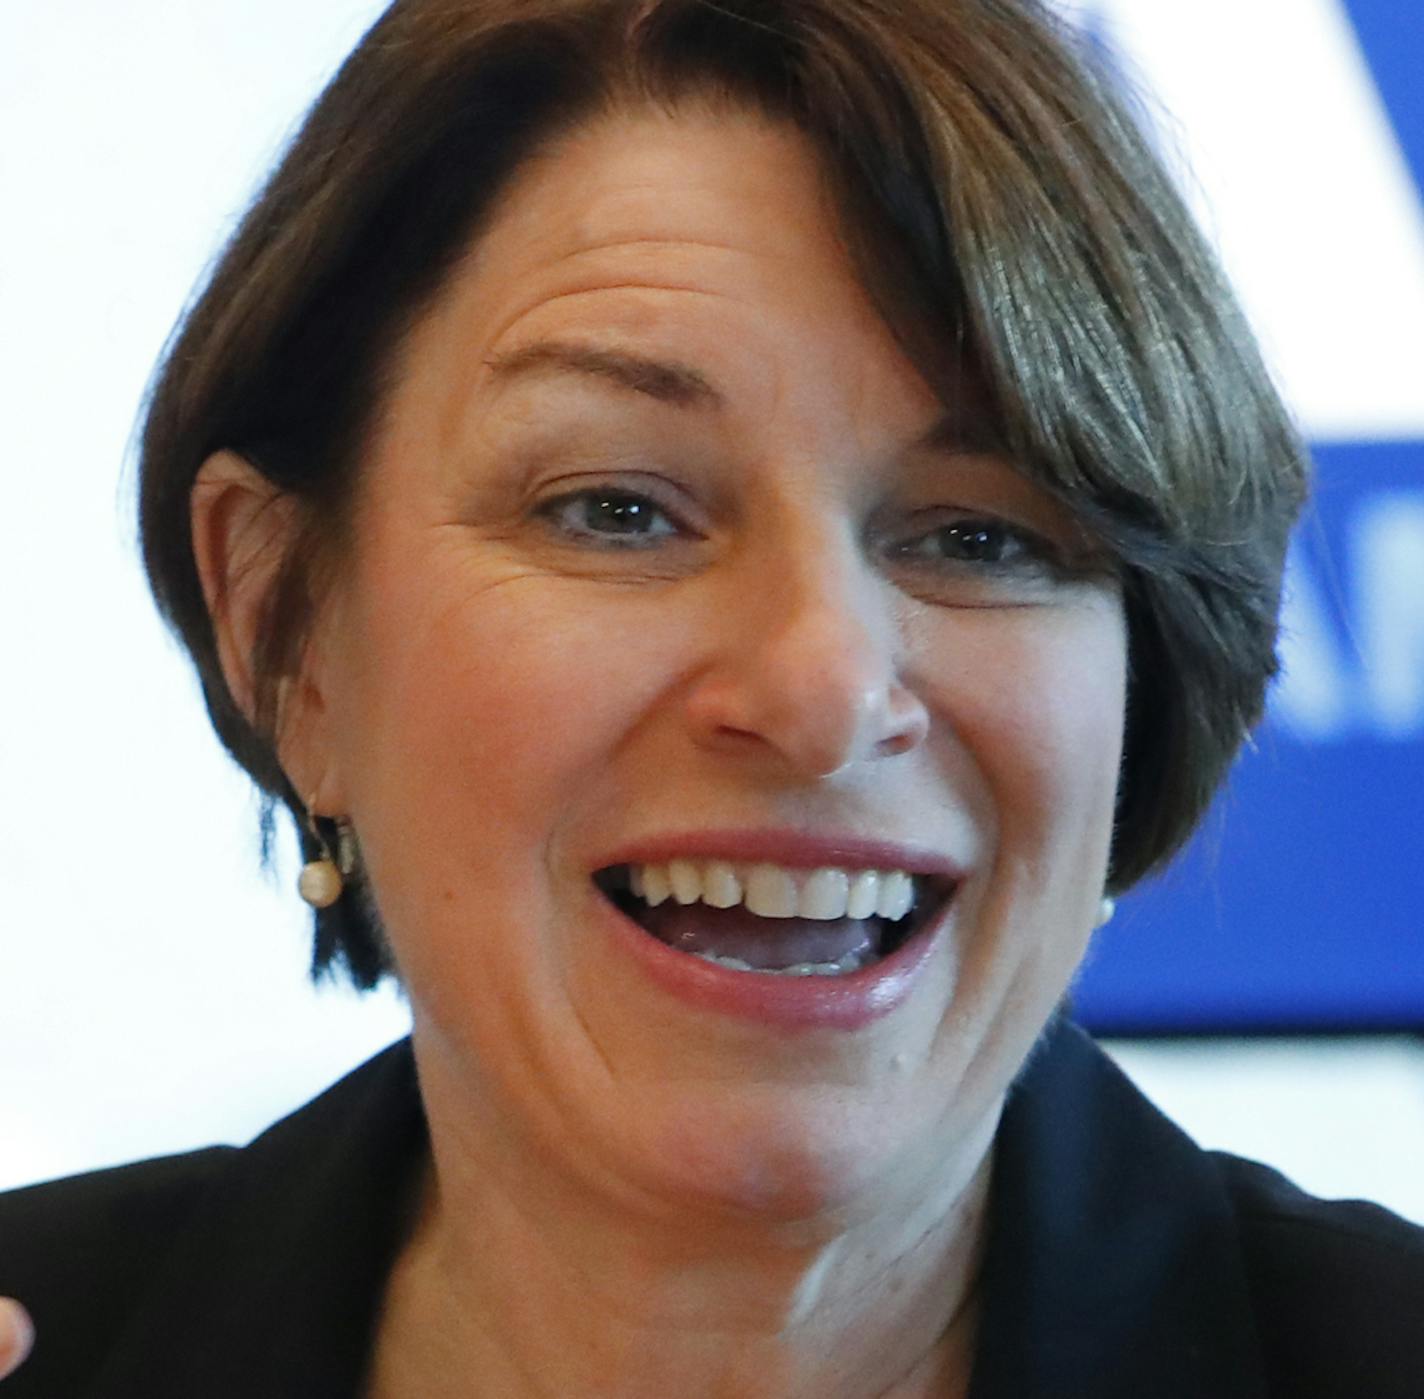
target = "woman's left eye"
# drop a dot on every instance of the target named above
(619, 519)
(987, 542)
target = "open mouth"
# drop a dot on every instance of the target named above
(740, 940)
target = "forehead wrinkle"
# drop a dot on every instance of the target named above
(611, 243)
(551, 266)
(554, 286)
(541, 302)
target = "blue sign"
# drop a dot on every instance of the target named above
(1300, 904)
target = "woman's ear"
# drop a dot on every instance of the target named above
(244, 528)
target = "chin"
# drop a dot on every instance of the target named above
(793, 1162)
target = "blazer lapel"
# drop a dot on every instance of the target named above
(1113, 1269)
(275, 1287)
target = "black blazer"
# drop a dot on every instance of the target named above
(1123, 1262)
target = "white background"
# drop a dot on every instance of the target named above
(152, 984)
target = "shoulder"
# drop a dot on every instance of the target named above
(151, 1279)
(74, 1251)
(1337, 1286)
(120, 1219)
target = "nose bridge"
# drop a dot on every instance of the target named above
(810, 661)
(821, 597)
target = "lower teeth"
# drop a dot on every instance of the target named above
(851, 962)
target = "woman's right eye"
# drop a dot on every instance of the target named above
(609, 518)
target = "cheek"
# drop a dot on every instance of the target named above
(481, 704)
(475, 710)
(1036, 701)
(1045, 721)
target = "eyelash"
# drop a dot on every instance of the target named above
(1033, 552)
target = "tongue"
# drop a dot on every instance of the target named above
(764, 943)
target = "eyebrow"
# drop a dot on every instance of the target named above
(679, 384)
(667, 381)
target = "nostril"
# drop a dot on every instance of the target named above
(897, 744)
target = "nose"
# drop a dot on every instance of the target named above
(807, 655)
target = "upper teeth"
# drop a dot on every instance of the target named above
(775, 892)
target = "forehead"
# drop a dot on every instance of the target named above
(708, 237)
(637, 179)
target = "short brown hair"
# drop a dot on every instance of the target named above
(1005, 213)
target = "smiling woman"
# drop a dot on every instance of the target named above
(732, 529)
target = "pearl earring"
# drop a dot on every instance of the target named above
(322, 882)
(1106, 909)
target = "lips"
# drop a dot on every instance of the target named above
(844, 995)
(787, 1003)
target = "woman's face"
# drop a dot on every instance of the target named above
(806, 609)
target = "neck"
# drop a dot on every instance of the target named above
(540, 1288)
